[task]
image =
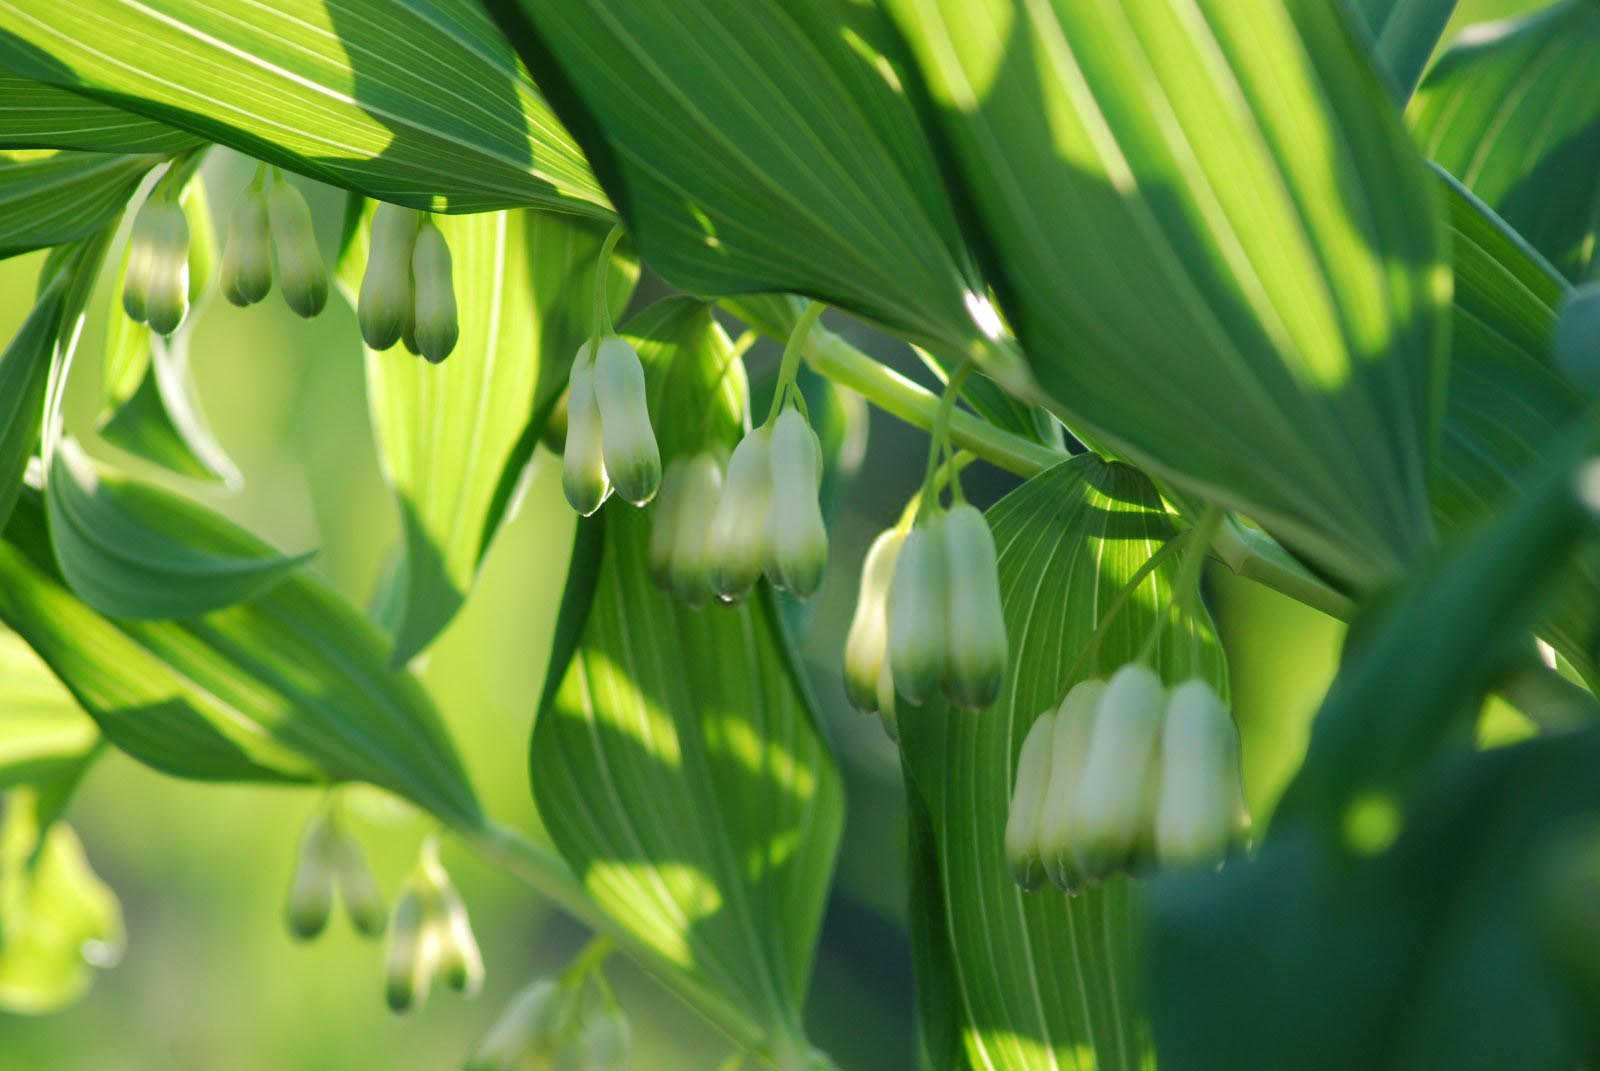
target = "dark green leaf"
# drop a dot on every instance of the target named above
(1404, 34)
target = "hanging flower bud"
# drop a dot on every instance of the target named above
(136, 273)
(247, 251)
(886, 700)
(1110, 800)
(412, 951)
(166, 294)
(1027, 803)
(606, 1042)
(1069, 747)
(664, 521)
(797, 538)
(460, 959)
(311, 889)
(583, 466)
(435, 328)
(977, 667)
(385, 300)
(738, 532)
(690, 571)
(1200, 812)
(302, 276)
(866, 647)
(525, 1033)
(919, 601)
(363, 900)
(633, 462)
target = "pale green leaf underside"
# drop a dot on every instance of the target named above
(415, 101)
(1217, 246)
(51, 198)
(1513, 111)
(676, 760)
(293, 685)
(35, 115)
(43, 732)
(1044, 981)
(454, 439)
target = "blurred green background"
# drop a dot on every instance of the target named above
(210, 978)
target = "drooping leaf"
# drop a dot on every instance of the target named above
(676, 758)
(1043, 980)
(51, 198)
(764, 146)
(1404, 34)
(58, 921)
(1217, 246)
(38, 116)
(418, 102)
(1513, 111)
(44, 733)
(24, 373)
(455, 438)
(292, 685)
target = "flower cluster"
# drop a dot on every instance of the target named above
(541, 1028)
(407, 293)
(271, 216)
(329, 855)
(1121, 775)
(430, 935)
(155, 286)
(610, 443)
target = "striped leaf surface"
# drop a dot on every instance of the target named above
(419, 102)
(1039, 980)
(292, 685)
(676, 759)
(1513, 111)
(44, 734)
(36, 115)
(1404, 34)
(49, 198)
(1216, 244)
(454, 439)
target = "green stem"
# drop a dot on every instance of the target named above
(790, 365)
(602, 308)
(939, 434)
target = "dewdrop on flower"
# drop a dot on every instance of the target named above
(583, 467)
(1027, 803)
(632, 459)
(918, 608)
(1069, 747)
(310, 900)
(434, 328)
(385, 300)
(1200, 810)
(976, 666)
(866, 647)
(525, 1034)
(302, 276)
(797, 538)
(738, 530)
(1110, 798)
(247, 251)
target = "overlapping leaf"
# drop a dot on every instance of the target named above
(418, 102)
(1513, 111)
(1041, 980)
(38, 116)
(761, 146)
(51, 198)
(1217, 245)
(292, 685)
(676, 760)
(455, 438)
(1404, 34)
(44, 734)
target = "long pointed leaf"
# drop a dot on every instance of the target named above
(51, 198)
(38, 116)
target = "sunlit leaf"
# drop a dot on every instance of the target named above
(454, 439)
(1513, 111)
(1042, 980)
(293, 685)
(676, 759)
(417, 101)
(38, 116)
(1217, 245)
(44, 733)
(50, 198)
(58, 921)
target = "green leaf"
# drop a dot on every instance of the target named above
(454, 439)
(1404, 34)
(57, 920)
(676, 758)
(51, 198)
(761, 146)
(38, 116)
(293, 685)
(24, 374)
(1216, 244)
(418, 102)
(44, 734)
(1513, 110)
(1043, 980)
